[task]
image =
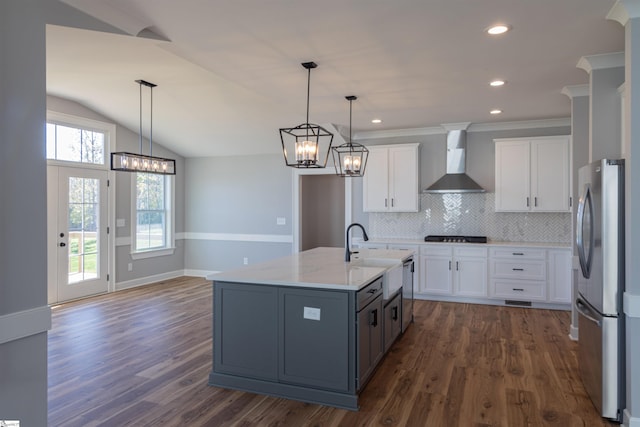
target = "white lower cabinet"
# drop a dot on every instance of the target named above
(453, 270)
(560, 289)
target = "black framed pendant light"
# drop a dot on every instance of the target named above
(131, 162)
(350, 159)
(306, 145)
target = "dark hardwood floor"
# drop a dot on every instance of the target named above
(141, 357)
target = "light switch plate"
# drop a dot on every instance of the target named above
(120, 222)
(281, 220)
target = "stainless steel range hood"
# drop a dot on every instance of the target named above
(456, 180)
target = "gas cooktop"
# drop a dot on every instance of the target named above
(456, 239)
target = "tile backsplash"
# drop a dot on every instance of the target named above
(471, 214)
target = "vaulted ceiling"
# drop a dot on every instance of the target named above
(229, 73)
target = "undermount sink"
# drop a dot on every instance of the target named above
(391, 278)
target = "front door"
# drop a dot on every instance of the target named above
(77, 232)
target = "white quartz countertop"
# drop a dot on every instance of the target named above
(320, 268)
(409, 241)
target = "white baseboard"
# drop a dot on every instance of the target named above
(148, 280)
(629, 421)
(573, 333)
(21, 324)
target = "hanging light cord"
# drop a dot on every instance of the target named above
(350, 121)
(140, 133)
(151, 121)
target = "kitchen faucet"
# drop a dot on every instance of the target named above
(347, 254)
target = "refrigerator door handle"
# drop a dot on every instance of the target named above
(582, 308)
(585, 206)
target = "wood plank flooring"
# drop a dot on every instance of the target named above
(141, 357)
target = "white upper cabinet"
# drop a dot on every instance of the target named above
(390, 182)
(533, 174)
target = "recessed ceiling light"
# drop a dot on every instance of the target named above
(498, 29)
(497, 83)
(495, 111)
(376, 121)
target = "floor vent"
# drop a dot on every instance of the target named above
(518, 303)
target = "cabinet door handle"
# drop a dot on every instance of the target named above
(385, 202)
(392, 202)
(394, 313)
(527, 202)
(518, 269)
(518, 289)
(535, 202)
(457, 266)
(373, 317)
(570, 201)
(449, 265)
(517, 253)
(372, 291)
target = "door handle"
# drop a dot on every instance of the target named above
(582, 309)
(63, 244)
(373, 317)
(394, 312)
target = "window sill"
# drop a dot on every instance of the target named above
(152, 253)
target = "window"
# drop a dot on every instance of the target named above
(74, 144)
(153, 215)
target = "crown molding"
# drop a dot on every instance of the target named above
(602, 61)
(576, 91)
(623, 10)
(474, 127)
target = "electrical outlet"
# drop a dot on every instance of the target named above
(281, 220)
(245, 261)
(130, 266)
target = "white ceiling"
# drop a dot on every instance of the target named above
(230, 76)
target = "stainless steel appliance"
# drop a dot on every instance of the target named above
(456, 239)
(407, 293)
(600, 244)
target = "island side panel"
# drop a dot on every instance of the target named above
(245, 325)
(317, 329)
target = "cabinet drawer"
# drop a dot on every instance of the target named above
(436, 250)
(531, 270)
(367, 294)
(469, 251)
(518, 290)
(517, 253)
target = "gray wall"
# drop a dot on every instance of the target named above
(240, 198)
(127, 140)
(23, 216)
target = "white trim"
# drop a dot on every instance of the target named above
(631, 305)
(123, 241)
(474, 127)
(21, 324)
(236, 237)
(628, 420)
(148, 280)
(152, 253)
(573, 333)
(623, 10)
(601, 61)
(576, 91)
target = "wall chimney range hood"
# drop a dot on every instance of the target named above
(456, 180)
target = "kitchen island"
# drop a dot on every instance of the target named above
(307, 327)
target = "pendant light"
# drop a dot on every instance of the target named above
(130, 162)
(350, 159)
(306, 145)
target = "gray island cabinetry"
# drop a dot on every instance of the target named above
(307, 327)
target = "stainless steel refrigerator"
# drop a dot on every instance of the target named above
(600, 244)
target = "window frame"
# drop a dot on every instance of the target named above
(83, 123)
(169, 200)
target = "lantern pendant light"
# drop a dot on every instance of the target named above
(306, 145)
(350, 159)
(130, 162)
